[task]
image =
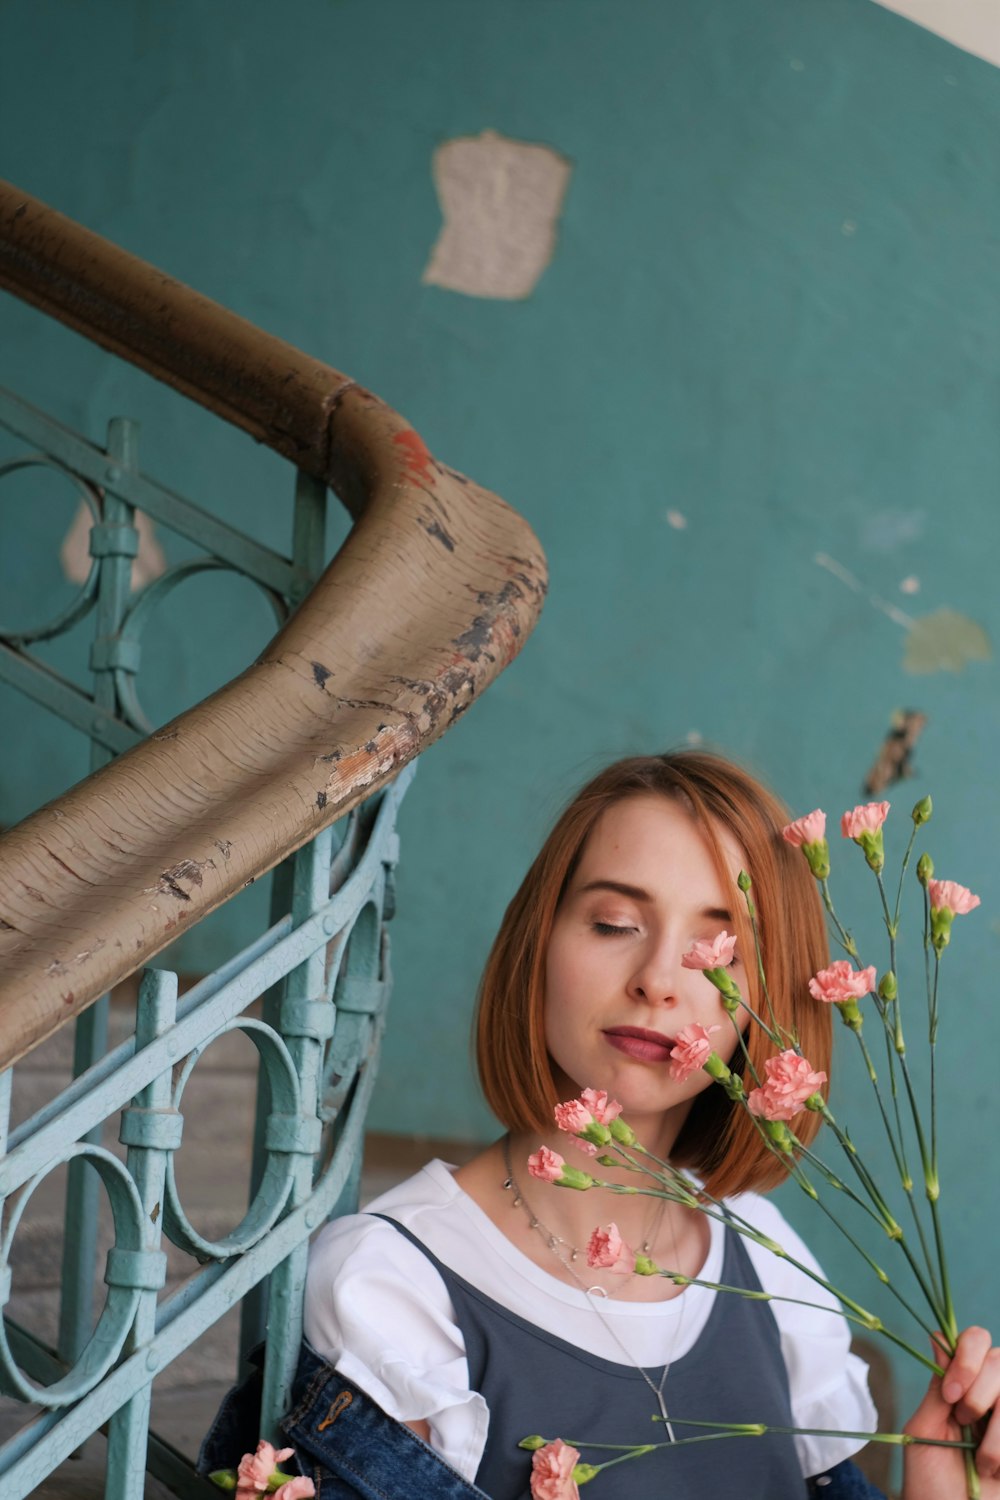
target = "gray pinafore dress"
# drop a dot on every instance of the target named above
(534, 1382)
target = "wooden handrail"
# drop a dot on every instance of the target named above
(433, 593)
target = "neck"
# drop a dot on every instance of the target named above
(572, 1214)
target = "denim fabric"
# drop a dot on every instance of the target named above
(844, 1481)
(351, 1450)
(343, 1441)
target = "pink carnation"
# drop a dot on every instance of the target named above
(255, 1469)
(607, 1251)
(949, 895)
(546, 1165)
(842, 982)
(790, 1082)
(866, 818)
(690, 1050)
(714, 954)
(603, 1109)
(587, 1147)
(552, 1472)
(573, 1116)
(807, 830)
(299, 1488)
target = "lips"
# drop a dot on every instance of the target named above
(637, 1042)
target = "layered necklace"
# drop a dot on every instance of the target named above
(557, 1245)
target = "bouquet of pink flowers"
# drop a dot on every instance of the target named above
(774, 1099)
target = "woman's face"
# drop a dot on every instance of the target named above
(616, 995)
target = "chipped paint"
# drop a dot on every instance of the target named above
(969, 24)
(909, 585)
(500, 200)
(945, 641)
(894, 761)
(76, 561)
(436, 530)
(414, 454)
(676, 520)
(320, 674)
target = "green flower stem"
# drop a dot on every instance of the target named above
(903, 869)
(714, 1209)
(905, 1175)
(888, 1224)
(929, 1289)
(752, 914)
(751, 1296)
(758, 1429)
(774, 1037)
(893, 1038)
(949, 1322)
(846, 941)
(743, 1048)
(890, 925)
(932, 1038)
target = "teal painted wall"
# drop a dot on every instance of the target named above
(773, 308)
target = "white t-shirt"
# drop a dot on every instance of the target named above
(378, 1310)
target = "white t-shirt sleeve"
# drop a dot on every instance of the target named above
(378, 1311)
(827, 1383)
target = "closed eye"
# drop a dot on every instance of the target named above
(608, 929)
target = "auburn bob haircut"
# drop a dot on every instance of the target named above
(718, 1139)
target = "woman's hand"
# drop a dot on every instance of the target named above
(967, 1394)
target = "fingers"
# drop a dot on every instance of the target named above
(971, 1350)
(971, 1384)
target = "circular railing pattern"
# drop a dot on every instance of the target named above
(131, 1268)
(138, 614)
(282, 1125)
(86, 596)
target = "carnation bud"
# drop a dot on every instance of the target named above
(622, 1133)
(596, 1134)
(583, 1473)
(716, 1068)
(223, 1479)
(922, 811)
(941, 920)
(925, 869)
(851, 1014)
(888, 989)
(532, 1443)
(779, 1134)
(818, 857)
(572, 1177)
(743, 881)
(646, 1267)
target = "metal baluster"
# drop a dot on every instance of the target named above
(308, 556)
(306, 1023)
(150, 1128)
(116, 542)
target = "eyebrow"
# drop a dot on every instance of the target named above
(636, 893)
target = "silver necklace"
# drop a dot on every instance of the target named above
(553, 1241)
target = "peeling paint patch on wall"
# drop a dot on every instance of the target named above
(74, 554)
(973, 25)
(500, 200)
(945, 641)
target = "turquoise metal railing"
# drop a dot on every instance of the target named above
(78, 882)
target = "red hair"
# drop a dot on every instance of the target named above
(717, 1139)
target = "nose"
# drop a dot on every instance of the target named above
(658, 975)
